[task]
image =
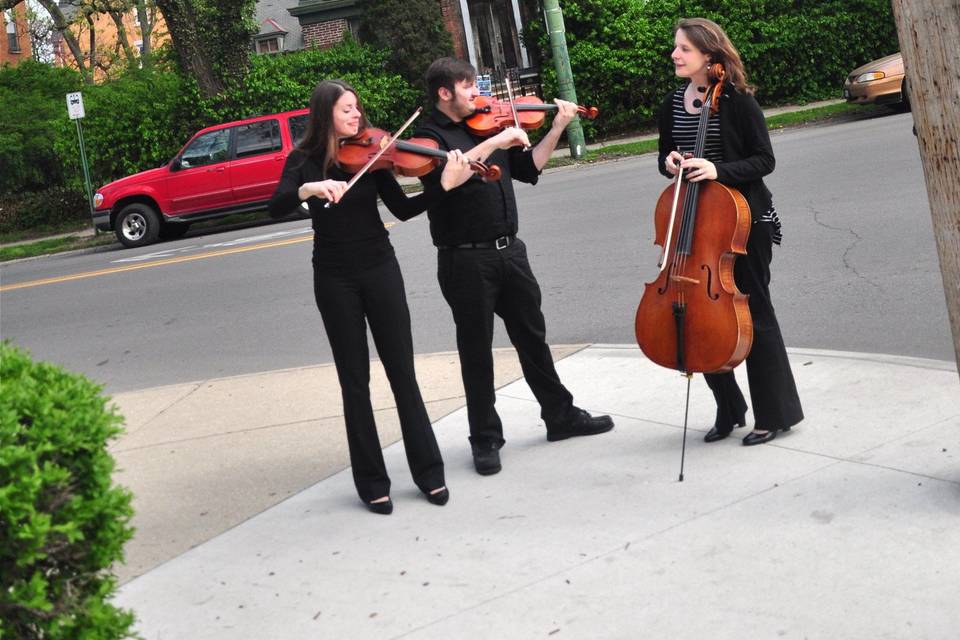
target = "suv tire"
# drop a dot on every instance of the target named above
(137, 225)
(173, 230)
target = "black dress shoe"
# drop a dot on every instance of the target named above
(384, 508)
(753, 438)
(439, 498)
(582, 424)
(486, 459)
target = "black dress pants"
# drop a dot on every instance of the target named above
(478, 283)
(347, 302)
(773, 392)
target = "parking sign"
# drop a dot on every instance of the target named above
(75, 105)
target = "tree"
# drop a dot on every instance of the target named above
(211, 40)
(412, 30)
(929, 31)
(41, 31)
(62, 25)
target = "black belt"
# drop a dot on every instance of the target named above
(500, 243)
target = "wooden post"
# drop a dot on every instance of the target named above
(929, 31)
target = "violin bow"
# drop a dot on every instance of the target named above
(513, 108)
(383, 148)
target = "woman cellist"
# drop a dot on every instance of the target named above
(737, 154)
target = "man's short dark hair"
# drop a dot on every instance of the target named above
(447, 72)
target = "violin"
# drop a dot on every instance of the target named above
(493, 115)
(414, 157)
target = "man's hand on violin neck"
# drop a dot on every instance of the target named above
(566, 112)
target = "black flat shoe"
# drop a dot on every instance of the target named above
(439, 498)
(383, 508)
(760, 438)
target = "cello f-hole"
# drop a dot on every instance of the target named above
(710, 293)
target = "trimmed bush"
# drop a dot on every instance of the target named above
(52, 209)
(32, 99)
(793, 50)
(62, 523)
(286, 82)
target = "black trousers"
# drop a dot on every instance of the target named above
(773, 392)
(347, 302)
(478, 283)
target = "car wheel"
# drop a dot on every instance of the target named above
(904, 97)
(137, 225)
(173, 230)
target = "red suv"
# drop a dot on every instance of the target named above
(224, 169)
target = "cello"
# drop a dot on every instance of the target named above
(692, 318)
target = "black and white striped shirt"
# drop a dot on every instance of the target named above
(685, 127)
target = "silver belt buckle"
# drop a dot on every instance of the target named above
(506, 243)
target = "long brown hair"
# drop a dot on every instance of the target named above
(320, 141)
(710, 39)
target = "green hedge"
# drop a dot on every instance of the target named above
(62, 522)
(32, 99)
(795, 51)
(52, 209)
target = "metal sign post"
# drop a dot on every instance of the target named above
(76, 113)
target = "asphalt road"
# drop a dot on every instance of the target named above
(857, 271)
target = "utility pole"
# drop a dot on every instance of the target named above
(561, 60)
(929, 31)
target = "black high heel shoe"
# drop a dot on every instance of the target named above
(716, 433)
(439, 498)
(753, 438)
(384, 508)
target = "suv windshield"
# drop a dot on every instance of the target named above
(207, 149)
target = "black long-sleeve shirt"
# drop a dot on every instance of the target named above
(350, 235)
(747, 152)
(477, 211)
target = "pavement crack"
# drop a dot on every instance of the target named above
(845, 257)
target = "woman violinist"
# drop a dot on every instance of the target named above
(737, 154)
(357, 281)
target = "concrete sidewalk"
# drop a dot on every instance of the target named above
(847, 527)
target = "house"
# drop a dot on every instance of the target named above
(279, 31)
(15, 46)
(485, 32)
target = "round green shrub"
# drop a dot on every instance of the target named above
(62, 522)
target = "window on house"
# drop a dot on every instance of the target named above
(269, 45)
(13, 42)
(258, 137)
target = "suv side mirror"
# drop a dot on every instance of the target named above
(176, 164)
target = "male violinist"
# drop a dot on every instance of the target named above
(483, 268)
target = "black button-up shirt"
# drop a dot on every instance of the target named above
(477, 211)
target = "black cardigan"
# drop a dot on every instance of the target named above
(747, 153)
